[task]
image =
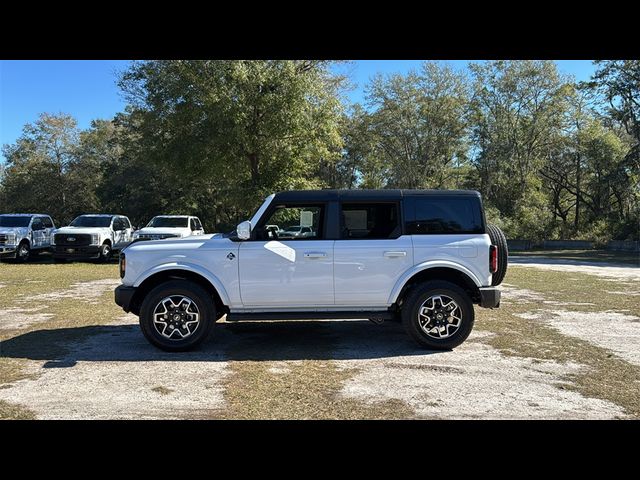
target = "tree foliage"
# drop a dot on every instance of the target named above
(212, 138)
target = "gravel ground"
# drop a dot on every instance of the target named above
(602, 269)
(111, 372)
(615, 331)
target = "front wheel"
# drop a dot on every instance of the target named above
(177, 315)
(105, 253)
(438, 315)
(23, 253)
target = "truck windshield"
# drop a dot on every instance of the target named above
(168, 222)
(87, 221)
(9, 221)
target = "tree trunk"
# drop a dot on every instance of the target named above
(578, 176)
(255, 172)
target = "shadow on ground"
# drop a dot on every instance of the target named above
(253, 341)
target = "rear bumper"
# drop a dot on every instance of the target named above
(123, 297)
(489, 297)
(88, 252)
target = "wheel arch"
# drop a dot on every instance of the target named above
(448, 271)
(179, 272)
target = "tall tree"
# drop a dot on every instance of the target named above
(239, 129)
(37, 165)
(419, 125)
(517, 112)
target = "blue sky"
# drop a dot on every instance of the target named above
(87, 89)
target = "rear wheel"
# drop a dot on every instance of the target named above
(177, 315)
(498, 239)
(438, 315)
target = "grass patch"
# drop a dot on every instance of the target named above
(629, 258)
(9, 411)
(31, 280)
(607, 377)
(309, 390)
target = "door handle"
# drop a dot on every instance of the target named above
(314, 254)
(395, 254)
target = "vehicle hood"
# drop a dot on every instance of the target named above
(70, 230)
(184, 231)
(19, 231)
(186, 243)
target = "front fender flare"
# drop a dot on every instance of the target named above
(188, 267)
(406, 276)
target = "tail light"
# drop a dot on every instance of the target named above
(122, 265)
(493, 259)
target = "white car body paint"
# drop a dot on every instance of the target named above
(118, 238)
(309, 275)
(37, 238)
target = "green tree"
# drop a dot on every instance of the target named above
(518, 113)
(236, 130)
(418, 121)
(37, 164)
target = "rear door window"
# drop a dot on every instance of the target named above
(369, 221)
(46, 221)
(444, 215)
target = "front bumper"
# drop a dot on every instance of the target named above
(489, 297)
(85, 252)
(123, 297)
(8, 251)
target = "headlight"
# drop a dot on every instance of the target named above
(11, 238)
(95, 239)
(53, 239)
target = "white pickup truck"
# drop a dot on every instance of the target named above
(92, 237)
(22, 234)
(169, 226)
(424, 257)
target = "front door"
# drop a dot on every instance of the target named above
(282, 267)
(371, 255)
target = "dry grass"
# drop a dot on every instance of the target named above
(608, 377)
(308, 390)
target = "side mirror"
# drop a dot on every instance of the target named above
(244, 230)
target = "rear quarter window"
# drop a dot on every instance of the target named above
(433, 215)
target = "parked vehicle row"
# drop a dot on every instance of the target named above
(87, 237)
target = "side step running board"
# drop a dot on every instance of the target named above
(378, 316)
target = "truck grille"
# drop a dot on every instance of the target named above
(72, 239)
(3, 238)
(156, 236)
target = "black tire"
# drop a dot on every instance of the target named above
(418, 295)
(23, 252)
(105, 253)
(498, 239)
(198, 295)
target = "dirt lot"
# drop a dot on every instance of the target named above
(564, 344)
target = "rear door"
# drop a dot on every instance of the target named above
(37, 232)
(372, 253)
(48, 231)
(281, 270)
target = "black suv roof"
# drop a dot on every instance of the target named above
(383, 194)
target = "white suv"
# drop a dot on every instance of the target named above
(169, 226)
(92, 237)
(24, 233)
(420, 256)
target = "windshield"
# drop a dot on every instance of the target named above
(87, 221)
(168, 222)
(7, 221)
